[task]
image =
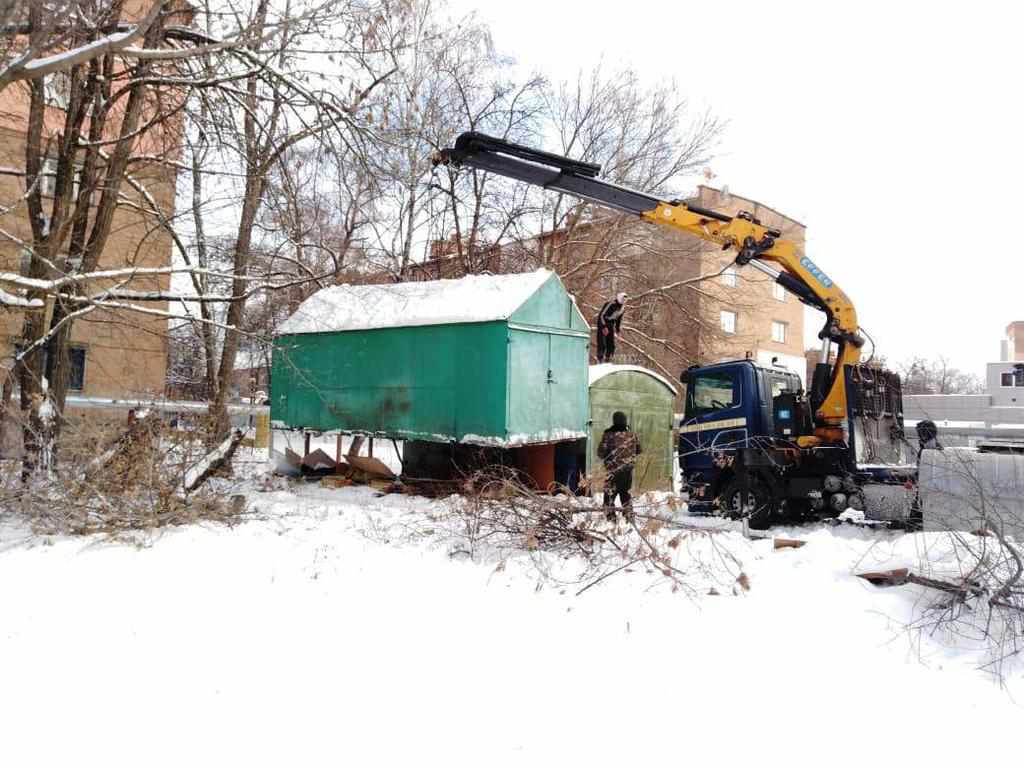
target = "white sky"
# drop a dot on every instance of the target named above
(892, 129)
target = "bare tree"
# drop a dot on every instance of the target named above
(104, 103)
(452, 78)
(922, 376)
(275, 108)
(645, 138)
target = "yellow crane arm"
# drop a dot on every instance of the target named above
(753, 243)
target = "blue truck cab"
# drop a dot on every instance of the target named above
(748, 446)
(729, 406)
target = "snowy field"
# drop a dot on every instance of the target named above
(339, 627)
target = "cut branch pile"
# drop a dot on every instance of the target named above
(978, 578)
(137, 481)
(502, 516)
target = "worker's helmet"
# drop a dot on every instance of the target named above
(622, 298)
(619, 419)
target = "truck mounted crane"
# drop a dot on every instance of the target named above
(753, 442)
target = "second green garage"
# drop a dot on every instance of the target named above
(648, 401)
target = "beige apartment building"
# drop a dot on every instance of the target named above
(756, 318)
(117, 354)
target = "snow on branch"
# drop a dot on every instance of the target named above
(10, 300)
(56, 284)
(26, 67)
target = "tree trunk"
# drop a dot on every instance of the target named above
(243, 247)
(255, 182)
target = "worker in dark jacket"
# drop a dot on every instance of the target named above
(927, 437)
(609, 323)
(618, 450)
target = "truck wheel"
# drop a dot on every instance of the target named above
(757, 508)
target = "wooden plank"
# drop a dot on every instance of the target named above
(892, 578)
(371, 467)
(780, 543)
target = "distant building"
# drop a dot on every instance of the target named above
(1012, 347)
(964, 420)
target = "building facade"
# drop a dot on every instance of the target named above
(113, 352)
(755, 317)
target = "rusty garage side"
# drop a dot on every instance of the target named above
(488, 360)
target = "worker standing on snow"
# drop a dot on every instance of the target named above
(618, 450)
(609, 323)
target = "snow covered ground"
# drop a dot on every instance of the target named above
(339, 627)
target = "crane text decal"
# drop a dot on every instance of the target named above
(820, 276)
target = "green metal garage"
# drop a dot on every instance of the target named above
(648, 401)
(493, 360)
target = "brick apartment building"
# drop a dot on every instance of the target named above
(113, 354)
(756, 317)
(738, 314)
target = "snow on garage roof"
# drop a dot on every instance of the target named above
(471, 299)
(598, 372)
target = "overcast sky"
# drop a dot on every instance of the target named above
(892, 130)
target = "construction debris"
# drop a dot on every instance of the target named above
(367, 468)
(288, 463)
(318, 464)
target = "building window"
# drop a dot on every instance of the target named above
(57, 90)
(1014, 378)
(779, 332)
(76, 371)
(728, 321)
(1006, 379)
(48, 176)
(729, 277)
(778, 292)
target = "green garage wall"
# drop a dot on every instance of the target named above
(430, 382)
(521, 380)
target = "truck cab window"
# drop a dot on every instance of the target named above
(780, 384)
(711, 391)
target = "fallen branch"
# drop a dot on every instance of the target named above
(210, 463)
